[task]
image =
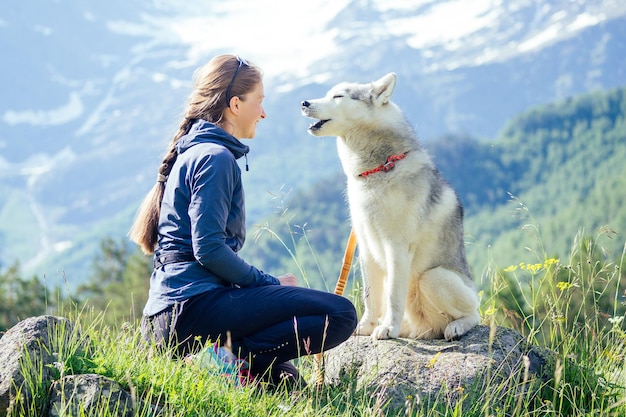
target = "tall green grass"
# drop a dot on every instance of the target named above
(573, 307)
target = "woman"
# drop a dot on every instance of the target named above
(193, 221)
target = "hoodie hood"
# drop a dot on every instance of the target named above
(206, 132)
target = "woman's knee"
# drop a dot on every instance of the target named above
(345, 305)
(345, 315)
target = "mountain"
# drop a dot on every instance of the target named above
(92, 93)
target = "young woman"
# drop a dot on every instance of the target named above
(193, 221)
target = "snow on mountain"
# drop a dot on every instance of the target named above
(287, 37)
(91, 93)
(460, 33)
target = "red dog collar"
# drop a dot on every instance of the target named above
(386, 167)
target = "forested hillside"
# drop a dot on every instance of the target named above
(553, 171)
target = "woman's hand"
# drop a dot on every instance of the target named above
(288, 280)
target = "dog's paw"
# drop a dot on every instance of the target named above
(365, 328)
(456, 329)
(386, 332)
(459, 327)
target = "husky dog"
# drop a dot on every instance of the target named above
(407, 219)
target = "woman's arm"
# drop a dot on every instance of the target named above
(212, 187)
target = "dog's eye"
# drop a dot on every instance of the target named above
(338, 96)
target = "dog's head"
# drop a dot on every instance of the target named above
(347, 105)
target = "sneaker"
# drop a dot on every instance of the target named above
(221, 360)
(285, 374)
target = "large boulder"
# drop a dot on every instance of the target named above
(27, 354)
(402, 372)
(36, 379)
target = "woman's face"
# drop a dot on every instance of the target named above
(250, 112)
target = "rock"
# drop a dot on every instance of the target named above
(399, 371)
(27, 354)
(90, 394)
(33, 380)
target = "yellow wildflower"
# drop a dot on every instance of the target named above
(549, 262)
(490, 311)
(432, 361)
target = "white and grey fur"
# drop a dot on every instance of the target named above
(408, 221)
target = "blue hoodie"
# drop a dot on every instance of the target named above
(203, 213)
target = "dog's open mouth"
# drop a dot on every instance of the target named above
(317, 125)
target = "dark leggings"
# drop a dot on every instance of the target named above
(270, 324)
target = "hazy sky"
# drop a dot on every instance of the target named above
(279, 35)
(286, 36)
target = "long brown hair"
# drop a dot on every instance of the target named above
(207, 101)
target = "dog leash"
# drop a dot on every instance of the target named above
(339, 288)
(347, 263)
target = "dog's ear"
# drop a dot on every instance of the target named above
(382, 89)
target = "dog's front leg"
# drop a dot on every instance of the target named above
(396, 287)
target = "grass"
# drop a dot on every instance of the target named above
(573, 307)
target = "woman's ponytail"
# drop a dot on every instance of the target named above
(144, 231)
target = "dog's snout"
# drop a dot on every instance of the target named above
(305, 103)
